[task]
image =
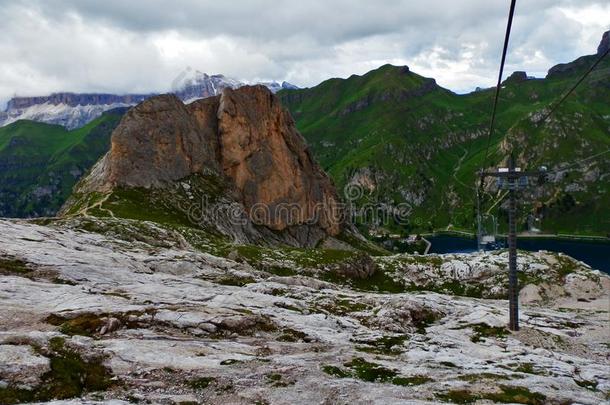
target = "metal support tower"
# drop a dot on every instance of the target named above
(513, 282)
(513, 179)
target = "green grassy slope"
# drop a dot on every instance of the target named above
(420, 144)
(40, 163)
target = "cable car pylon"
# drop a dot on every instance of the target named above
(513, 179)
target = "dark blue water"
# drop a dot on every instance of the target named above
(595, 254)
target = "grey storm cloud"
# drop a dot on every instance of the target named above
(125, 46)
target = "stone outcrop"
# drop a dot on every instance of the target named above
(244, 135)
(269, 161)
(516, 77)
(604, 44)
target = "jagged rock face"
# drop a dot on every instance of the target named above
(604, 44)
(244, 135)
(269, 161)
(516, 77)
(157, 142)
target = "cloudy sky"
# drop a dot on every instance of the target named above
(125, 46)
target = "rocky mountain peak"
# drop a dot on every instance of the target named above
(604, 43)
(516, 77)
(583, 62)
(244, 135)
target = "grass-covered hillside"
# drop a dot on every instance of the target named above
(403, 139)
(40, 163)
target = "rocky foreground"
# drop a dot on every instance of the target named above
(113, 320)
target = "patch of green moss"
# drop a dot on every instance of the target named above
(524, 279)
(383, 345)
(130, 230)
(249, 327)
(288, 307)
(10, 267)
(527, 368)
(368, 371)
(278, 292)
(565, 266)
(291, 335)
(514, 395)
(225, 388)
(87, 324)
(482, 330)
(236, 281)
(342, 306)
(483, 376)
(409, 381)
(371, 372)
(70, 376)
(380, 281)
(517, 395)
(200, 383)
(458, 397)
(336, 371)
(274, 377)
(12, 395)
(349, 306)
(590, 385)
(458, 288)
(58, 280)
(430, 260)
(276, 380)
(279, 271)
(423, 318)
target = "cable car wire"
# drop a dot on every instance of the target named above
(492, 123)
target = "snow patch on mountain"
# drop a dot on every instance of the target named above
(82, 109)
(60, 114)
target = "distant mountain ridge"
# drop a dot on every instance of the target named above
(74, 110)
(75, 99)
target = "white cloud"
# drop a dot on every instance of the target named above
(141, 46)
